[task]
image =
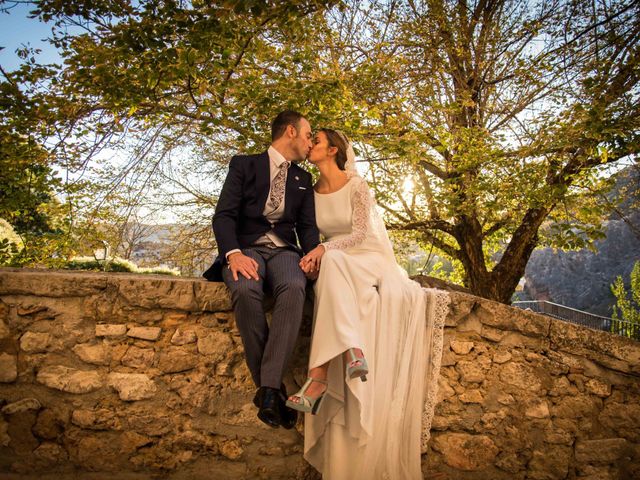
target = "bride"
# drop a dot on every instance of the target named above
(377, 335)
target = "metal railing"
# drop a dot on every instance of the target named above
(572, 315)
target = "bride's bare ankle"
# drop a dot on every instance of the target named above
(318, 373)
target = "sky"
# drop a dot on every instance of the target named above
(17, 31)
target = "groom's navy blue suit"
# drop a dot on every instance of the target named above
(239, 220)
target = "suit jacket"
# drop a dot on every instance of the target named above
(239, 221)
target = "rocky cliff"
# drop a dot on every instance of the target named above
(581, 279)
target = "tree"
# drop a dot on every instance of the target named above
(504, 113)
(28, 183)
(626, 312)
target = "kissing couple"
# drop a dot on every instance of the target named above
(377, 335)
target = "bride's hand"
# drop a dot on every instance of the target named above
(311, 261)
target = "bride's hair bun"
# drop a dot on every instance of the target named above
(344, 137)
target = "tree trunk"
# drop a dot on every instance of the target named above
(501, 283)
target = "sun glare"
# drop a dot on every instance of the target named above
(407, 186)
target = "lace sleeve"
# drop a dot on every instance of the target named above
(362, 202)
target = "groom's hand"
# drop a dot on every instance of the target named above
(311, 261)
(309, 269)
(239, 263)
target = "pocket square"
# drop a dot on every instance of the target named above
(302, 188)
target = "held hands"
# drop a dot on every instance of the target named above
(310, 263)
(240, 263)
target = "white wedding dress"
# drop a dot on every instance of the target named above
(363, 299)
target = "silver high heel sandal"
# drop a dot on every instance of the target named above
(307, 404)
(354, 371)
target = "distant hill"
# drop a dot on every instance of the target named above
(581, 279)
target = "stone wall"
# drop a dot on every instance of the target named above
(129, 376)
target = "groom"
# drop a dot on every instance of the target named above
(266, 200)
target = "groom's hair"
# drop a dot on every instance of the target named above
(282, 121)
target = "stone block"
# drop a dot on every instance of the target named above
(521, 376)
(471, 396)
(444, 390)
(466, 452)
(448, 358)
(460, 308)
(99, 419)
(516, 339)
(147, 420)
(212, 296)
(215, 343)
(183, 337)
(4, 330)
(596, 345)
(151, 292)
(224, 368)
(34, 342)
(601, 389)
(558, 436)
(49, 424)
(175, 359)
(22, 406)
(51, 453)
(69, 379)
(505, 399)
(136, 357)
(510, 462)
(576, 406)
(99, 453)
(50, 283)
(8, 368)
(194, 440)
(622, 418)
(131, 441)
(562, 386)
(537, 408)
(132, 386)
(549, 464)
(591, 472)
(460, 347)
(514, 319)
(493, 334)
(470, 371)
(96, 354)
(502, 356)
(492, 420)
(145, 333)
(110, 330)
(469, 324)
(5, 439)
(231, 449)
(173, 319)
(208, 320)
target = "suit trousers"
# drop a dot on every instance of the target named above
(268, 349)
